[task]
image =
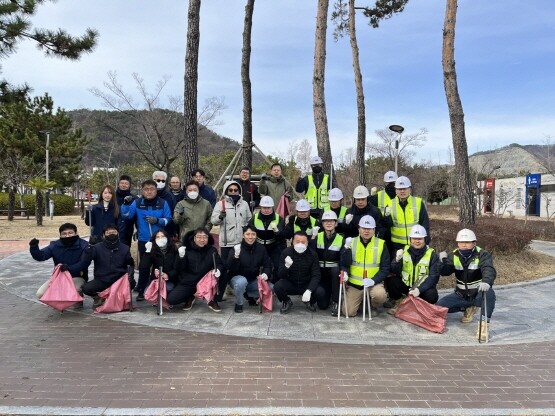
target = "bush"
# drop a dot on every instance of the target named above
(63, 204)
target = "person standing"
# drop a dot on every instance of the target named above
(126, 227)
(205, 190)
(161, 177)
(315, 187)
(301, 221)
(105, 212)
(249, 191)
(176, 189)
(382, 199)
(335, 198)
(192, 212)
(362, 207)
(275, 186)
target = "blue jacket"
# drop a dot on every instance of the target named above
(99, 218)
(61, 254)
(208, 193)
(142, 208)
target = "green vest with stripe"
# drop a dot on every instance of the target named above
(365, 259)
(404, 219)
(335, 246)
(473, 274)
(412, 275)
(318, 197)
(309, 229)
(259, 225)
(383, 201)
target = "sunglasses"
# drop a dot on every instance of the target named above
(233, 191)
(160, 180)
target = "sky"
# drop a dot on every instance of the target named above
(504, 52)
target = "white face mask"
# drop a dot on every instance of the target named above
(299, 248)
(160, 185)
(162, 242)
(192, 195)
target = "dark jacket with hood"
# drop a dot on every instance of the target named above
(253, 260)
(351, 230)
(98, 217)
(197, 261)
(72, 255)
(111, 260)
(416, 255)
(167, 259)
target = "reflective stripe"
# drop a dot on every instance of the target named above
(404, 220)
(474, 265)
(335, 246)
(383, 201)
(259, 225)
(413, 276)
(309, 229)
(365, 259)
(318, 197)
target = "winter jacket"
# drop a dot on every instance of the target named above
(236, 217)
(249, 192)
(61, 254)
(431, 280)
(305, 270)
(384, 263)
(142, 208)
(275, 187)
(351, 229)
(178, 195)
(422, 219)
(126, 227)
(98, 217)
(264, 235)
(190, 214)
(197, 261)
(109, 263)
(207, 193)
(295, 224)
(253, 260)
(328, 249)
(157, 258)
(169, 197)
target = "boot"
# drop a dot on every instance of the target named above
(395, 306)
(334, 308)
(484, 327)
(98, 301)
(286, 306)
(469, 314)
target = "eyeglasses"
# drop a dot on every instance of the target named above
(201, 237)
(232, 191)
(67, 233)
(149, 189)
(160, 180)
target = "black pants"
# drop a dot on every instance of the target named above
(144, 274)
(283, 288)
(181, 293)
(397, 288)
(274, 251)
(94, 287)
(330, 284)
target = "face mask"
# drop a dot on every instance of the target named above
(467, 252)
(299, 248)
(192, 195)
(112, 238)
(235, 198)
(160, 185)
(317, 169)
(69, 241)
(162, 242)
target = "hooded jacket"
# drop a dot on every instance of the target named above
(190, 214)
(197, 261)
(156, 258)
(237, 216)
(253, 260)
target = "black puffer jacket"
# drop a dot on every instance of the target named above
(110, 261)
(253, 260)
(197, 261)
(351, 230)
(304, 271)
(167, 259)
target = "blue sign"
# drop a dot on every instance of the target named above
(534, 180)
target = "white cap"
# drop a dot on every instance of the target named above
(335, 194)
(389, 176)
(402, 182)
(266, 201)
(418, 231)
(302, 205)
(329, 215)
(367, 222)
(466, 235)
(361, 191)
(316, 160)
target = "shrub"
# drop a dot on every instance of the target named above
(63, 204)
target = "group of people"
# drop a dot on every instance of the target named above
(379, 245)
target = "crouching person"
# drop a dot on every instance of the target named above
(112, 260)
(416, 270)
(474, 273)
(161, 253)
(246, 262)
(365, 264)
(299, 274)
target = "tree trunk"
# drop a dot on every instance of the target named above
(320, 116)
(190, 148)
(246, 81)
(465, 188)
(39, 207)
(361, 136)
(11, 202)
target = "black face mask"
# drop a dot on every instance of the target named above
(69, 241)
(235, 198)
(390, 189)
(111, 241)
(317, 169)
(466, 253)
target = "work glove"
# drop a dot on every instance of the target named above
(483, 287)
(181, 210)
(345, 277)
(264, 276)
(222, 215)
(34, 242)
(217, 273)
(414, 292)
(387, 212)
(237, 249)
(442, 256)
(264, 176)
(148, 246)
(89, 207)
(399, 255)
(348, 218)
(368, 282)
(151, 220)
(274, 227)
(94, 239)
(306, 295)
(64, 268)
(315, 231)
(127, 200)
(252, 204)
(157, 274)
(373, 191)
(348, 242)
(181, 251)
(288, 262)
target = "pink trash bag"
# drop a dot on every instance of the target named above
(283, 209)
(423, 314)
(118, 297)
(266, 297)
(151, 292)
(207, 287)
(61, 293)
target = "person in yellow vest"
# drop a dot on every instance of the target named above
(335, 198)
(382, 199)
(315, 187)
(365, 264)
(301, 221)
(416, 271)
(406, 212)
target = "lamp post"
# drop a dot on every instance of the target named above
(47, 169)
(399, 130)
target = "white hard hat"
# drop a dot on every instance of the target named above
(402, 182)
(466, 235)
(335, 195)
(361, 191)
(418, 231)
(303, 205)
(367, 222)
(329, 215)
(389, 176)
(316, 160)
(266, 201)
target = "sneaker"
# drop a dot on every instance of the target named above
(334, 308)
(140, 297)
(394, 306)
(98, 301)
(482, 332)
(214, 306)
(388, 304)
(468, 314)
(238, 308)
(286, 306)
(252, 301)
(310, 306)
(189, 304)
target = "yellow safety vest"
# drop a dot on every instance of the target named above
(310, 227)
(259, 225)
(318, 197)
(365, 259)
(335, 245)
(473, 266)
(383, 201)
(414, 276)
(341, 215)
(404, 220)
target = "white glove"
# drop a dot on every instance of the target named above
(288, 262)
(274, 227)
(315, 231)
(348, 218)
(264, 276)
(414, 292)
(237, 249)
(483, 287)
(348, 242)
(181, 251)
(217, 273)
(148, 246)
(345, 277)
(399, 254)
(373, 191)
(306, 295)
(368, 282)
(387, 211)
(442, 256)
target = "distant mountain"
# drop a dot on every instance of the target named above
(514, 160)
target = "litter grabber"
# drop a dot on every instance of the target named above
(366, 304)
(483, 324)
(342, 294)
(223, 225)
(160, 299)
(130, 275)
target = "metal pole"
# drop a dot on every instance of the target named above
(396, 154)
(160, 306)
(47, 199)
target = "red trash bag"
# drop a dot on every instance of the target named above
(266, 297)
(207, 287)
(423, 314)
(151, 292)
(283, 209)
(61, 293)
(118, 297)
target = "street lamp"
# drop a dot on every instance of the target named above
(399, 130)
(47, 193)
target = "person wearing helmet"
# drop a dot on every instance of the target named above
(361, 207)
(270, 229)
(275, 185)
(315, 187)
(415, 271)
(382, 199)
(301, 221)
(335, 197)
(474, 273)
(406, 212)
(328, 245)
(365, 264)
